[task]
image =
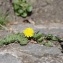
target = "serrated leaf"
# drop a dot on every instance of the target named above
(49, 37)
(40, 39)
(49, 44)
(37, 35)
(23, 41)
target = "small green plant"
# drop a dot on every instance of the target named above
(3, 19)
(21, 8)
(39, 37)
(28, 34)
(19, 37)
(47, 40)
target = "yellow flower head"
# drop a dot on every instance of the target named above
(28, 32)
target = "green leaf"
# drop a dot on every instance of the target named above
(23, 41)
(40, 39)
(17, 13)
(54, 38)
(20, 11)
(1, 42)
(29, 8)
(49, 44)
(21, 7)
(16, 7)
(60, 39)
(2, 20)
(24, 14)
(37, 35)
(49, 37)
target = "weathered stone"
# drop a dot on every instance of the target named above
(31, 53)
(8, 58)
(45, 12)
(55, 29)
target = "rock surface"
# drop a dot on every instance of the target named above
(47, 11)
(44, 11)
(8, 58)
(55, 29)
(31, 53)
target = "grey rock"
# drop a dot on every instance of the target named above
(47, 11)
(44, 12)
(31, 53)
(55, 29)
(40, 50)
(8, 58)
(4, 33)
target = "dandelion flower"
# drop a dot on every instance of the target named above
(28, 32)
